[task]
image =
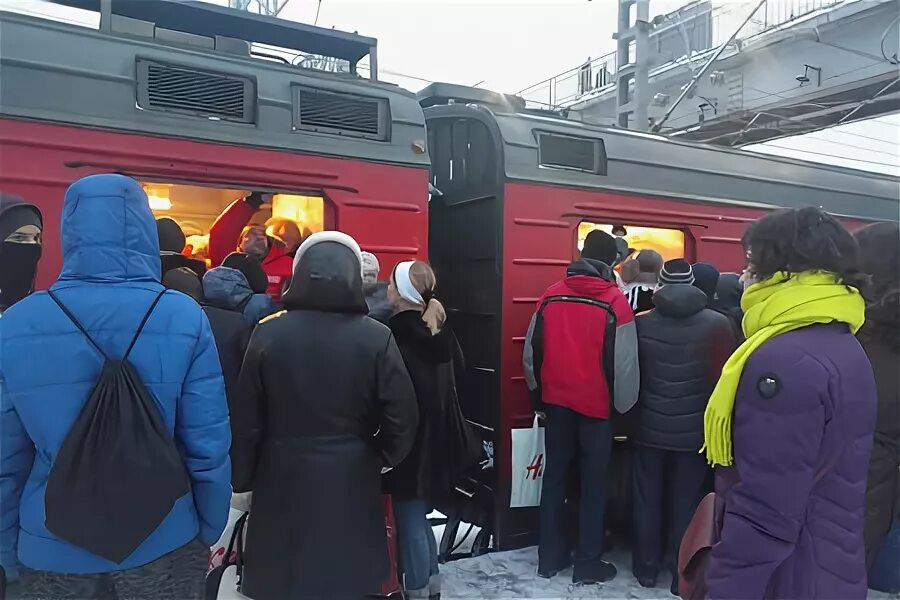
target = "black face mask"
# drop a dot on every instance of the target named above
(18, 265)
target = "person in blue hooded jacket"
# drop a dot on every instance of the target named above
(110, 277)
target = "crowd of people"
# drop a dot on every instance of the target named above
(763, 386)
(263, 375)
(149, 392)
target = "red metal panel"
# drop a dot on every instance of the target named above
(383, 206)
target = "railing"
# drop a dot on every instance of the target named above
(570, 85)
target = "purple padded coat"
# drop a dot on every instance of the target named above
(793, 503)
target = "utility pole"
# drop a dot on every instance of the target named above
(632, 64)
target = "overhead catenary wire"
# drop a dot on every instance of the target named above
(318, 9)
(826, 154)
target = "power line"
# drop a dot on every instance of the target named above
(835, 156)
(318, 8)
(846, 145)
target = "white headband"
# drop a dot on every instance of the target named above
(404, 284)
(328, 236)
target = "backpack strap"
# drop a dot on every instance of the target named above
(140, 328)
(88, 337)
(77, 324)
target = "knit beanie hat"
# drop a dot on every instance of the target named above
(370, 267)
(706, 277)
(171, 237)
(599, 245)
(675, 271)
(251, 268)
(185, 281)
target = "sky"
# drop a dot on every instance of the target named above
(508, 45)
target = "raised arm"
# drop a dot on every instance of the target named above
(225, 232)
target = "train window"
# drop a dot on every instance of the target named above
(196, 208)
(668, 242)
(569, 152)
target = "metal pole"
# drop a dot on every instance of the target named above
(641, 65)
(693, 82)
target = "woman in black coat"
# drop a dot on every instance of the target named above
(326, 403)
(439, 455)
(880, 258)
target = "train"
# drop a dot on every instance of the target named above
(204, 104)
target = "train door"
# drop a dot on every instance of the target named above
(465, 231)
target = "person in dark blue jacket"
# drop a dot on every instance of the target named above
(110, 277)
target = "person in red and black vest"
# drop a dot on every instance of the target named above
(580, 361)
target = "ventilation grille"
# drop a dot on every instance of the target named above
(198, 93)
(342, 114)
(565, 152)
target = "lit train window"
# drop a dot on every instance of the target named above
(668, 242)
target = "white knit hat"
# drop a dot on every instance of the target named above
(329, 236)
(370, 267)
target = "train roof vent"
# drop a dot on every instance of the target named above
(189, 91)
(574, 153)
(341, 114)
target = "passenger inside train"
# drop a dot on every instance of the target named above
(214, 222)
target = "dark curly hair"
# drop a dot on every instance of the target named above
(802, 239)
(879, 257)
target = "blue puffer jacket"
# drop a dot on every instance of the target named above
(228, 288)
(109, 279)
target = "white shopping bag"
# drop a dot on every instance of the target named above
(527, 466)
(217, 551)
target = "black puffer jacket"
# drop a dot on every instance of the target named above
(682, 346)
(879, 337)
(318, 381)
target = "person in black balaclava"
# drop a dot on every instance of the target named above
(20, 231)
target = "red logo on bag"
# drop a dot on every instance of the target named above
(536, 468)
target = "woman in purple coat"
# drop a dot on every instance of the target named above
(790, 423)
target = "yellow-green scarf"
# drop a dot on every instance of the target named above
(777, 305)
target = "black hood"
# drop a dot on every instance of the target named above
(590, 268)
(728, 292)
(410, 330)
(16, 213)
(19, 261)
(327, 278)
(679, 300)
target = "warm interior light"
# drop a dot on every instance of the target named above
(307, 211)
(159, 203)
(158, 196)
(668, 242)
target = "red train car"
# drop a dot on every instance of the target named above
(520, 190)
(185, 98)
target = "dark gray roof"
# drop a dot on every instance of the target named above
(69, 74)
(203, 18)
(653, 165)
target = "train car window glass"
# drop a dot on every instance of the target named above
(351, 115)
(574, 153)
(196, 208)
(462, 163)
(668, 242)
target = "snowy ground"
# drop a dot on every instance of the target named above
(512, 575)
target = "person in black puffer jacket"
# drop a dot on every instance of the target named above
(879, 246)
(682, 347)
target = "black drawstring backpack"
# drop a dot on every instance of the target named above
(118, 472)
